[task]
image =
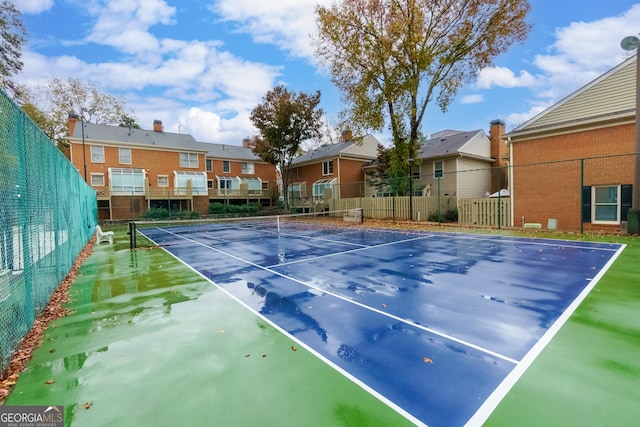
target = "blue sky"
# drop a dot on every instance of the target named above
(201, 66)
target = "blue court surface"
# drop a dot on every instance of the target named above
(437, 325)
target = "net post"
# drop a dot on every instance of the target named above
(132, 235)
(361, 215)
(278, 221)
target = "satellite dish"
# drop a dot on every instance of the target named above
(630, 43)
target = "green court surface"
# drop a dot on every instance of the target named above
(150, 342)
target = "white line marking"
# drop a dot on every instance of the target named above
(347, 251)
(483, 413)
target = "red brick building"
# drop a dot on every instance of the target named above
(572, 164)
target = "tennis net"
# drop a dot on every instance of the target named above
(175, 232)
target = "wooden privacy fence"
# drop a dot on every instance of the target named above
(487, 212)
(396, 207)
(492, 212)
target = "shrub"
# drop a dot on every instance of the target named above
(449, 216)
(246, 209)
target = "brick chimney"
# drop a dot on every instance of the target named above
(500, 153)
(73, 119)
(247, 143)
(347, 135)
(157, 126)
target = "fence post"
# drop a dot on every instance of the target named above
(581, 195)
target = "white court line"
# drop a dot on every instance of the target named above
(489, 405)
(348, 251)
(510, 239)
(375, 310)
(341, 242)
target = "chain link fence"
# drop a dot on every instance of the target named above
(47, 215)
(578, 195)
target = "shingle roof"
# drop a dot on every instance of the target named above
(122, 135)
(226, 151)
(324, 152)
(446, 145)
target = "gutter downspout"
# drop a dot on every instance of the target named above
(510, 170)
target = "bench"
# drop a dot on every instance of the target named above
(353, 215)
(103, 236)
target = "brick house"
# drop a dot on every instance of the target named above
(236, 175)
(133, 170)
(331, 171)
(572, 164)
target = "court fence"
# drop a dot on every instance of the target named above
(47, 216)
(581, 194)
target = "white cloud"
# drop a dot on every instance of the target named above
(472, 99)
(287, 25)
(585, 50)
(124, 24)
(503, 77)
(581, 53)
(34, 6)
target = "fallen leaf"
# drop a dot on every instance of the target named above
(221, 331)
(384, 305)
(264, 355)
(427, 360)
(48, 382)
(247, 355)
(53, 350)
(87, 405)
(294, 348)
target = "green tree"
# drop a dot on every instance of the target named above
(128, 122)
(284, 120)
(391, 58)
(12, 37)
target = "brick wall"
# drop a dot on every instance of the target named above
(547, 173)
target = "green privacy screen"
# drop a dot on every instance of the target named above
(47, 215)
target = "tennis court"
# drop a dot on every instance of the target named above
(436, 325)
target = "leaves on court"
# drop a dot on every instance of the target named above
(221, 331)
(294, 348)
(87, 405)
(427, 360)
(49, 382)
(384, 305)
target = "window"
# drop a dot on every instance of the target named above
(209, 183)
(188, 160)
(253, 184)
(297, 190)
(248, 168)
(327, 167)
(97, 179)
(438, 169)
(605, 204)
(209, 165)
(320, 186)
(228, 183)
(163, 180)
(125, 156)
(127, 181)
(226, 166)
(196, 180)
(97, 154)
(265, 185)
